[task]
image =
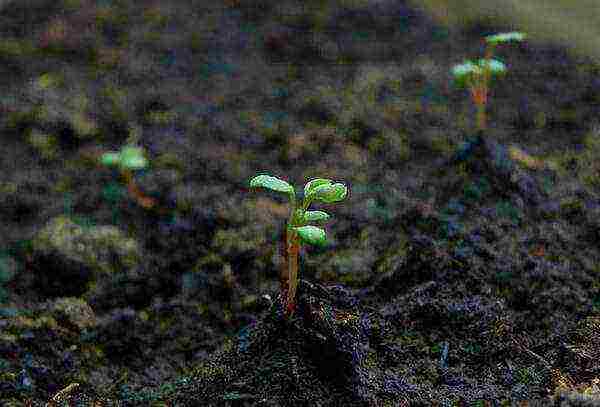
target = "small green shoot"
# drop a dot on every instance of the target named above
(128, 159)
(297, 231)
(476, 75)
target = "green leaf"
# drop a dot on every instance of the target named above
(312, 184)
(273, 183)
(232, 396)
(330, 193)
(111, 158)
(133, 158)
(315, 216)
(496, 67)
(465, 69)
(311, 235)
(505, 37)
(464, 72)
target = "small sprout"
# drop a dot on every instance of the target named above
(477, 75)
(505, 37)
(297, 231)
(130, 158)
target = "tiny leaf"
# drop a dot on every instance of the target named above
(111, 158)
(465, 69)
(272, 183)
(495, 66)
(505, 37)
(312, 184)
(311, 235)
(133, 158)
(315, 216)
(464, 72)
(330, 193)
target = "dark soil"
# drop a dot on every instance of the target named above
(462, 269)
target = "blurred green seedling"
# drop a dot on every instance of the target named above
(130, 158)
(476, 75)
(298, 231)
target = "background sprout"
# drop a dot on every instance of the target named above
(297, 230)
(477, 75)
(128, 159)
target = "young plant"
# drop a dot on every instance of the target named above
(128, 159)
(476, 75)
(297, 230)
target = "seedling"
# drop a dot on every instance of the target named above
(476, 75)
(297, 230)
(128, 159)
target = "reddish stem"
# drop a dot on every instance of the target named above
(479, 95)
(290, 272)
(134, 191)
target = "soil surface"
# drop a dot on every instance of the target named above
(463, 268)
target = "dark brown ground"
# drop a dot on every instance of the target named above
(462, 269)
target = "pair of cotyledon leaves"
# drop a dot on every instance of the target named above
(468, 70)
(128, 158)
(317, 190)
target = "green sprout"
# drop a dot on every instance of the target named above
(297, 231)
(476, 75)
(128, 159)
